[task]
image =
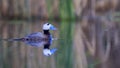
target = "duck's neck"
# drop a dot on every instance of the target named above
(46, 32)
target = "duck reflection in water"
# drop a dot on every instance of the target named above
(39, 39)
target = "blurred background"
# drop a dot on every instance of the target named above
(88, 33)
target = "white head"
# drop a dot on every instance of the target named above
(47, 52)
(48, 26)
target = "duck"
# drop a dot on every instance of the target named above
(39, 39)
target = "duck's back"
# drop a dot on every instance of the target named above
(36, 39)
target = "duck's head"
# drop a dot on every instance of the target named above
(48, 26)
(48, 52)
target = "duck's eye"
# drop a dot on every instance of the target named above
(47, 23)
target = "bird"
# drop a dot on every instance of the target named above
(39, 39)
